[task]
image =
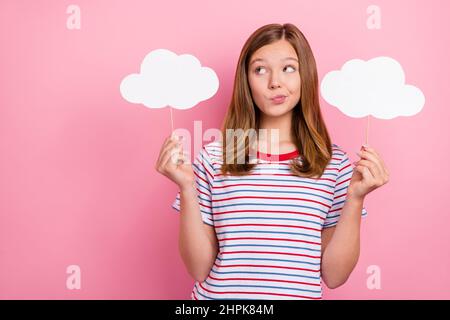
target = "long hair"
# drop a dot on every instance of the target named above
(308, 128)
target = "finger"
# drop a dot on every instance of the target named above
(374, 170)
(178, 157)
(382, 164)
(170, 145)
(169, 139)
(375, 153)
(164, 145)
(180, 160)
(367, 175)
(171, 156)
(185, 158)
(372, 157)
(370, 149)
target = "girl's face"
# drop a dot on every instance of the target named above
(274, 70)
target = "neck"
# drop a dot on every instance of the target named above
(269, 140)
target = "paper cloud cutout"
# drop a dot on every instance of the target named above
(168, 79)
(375, 87)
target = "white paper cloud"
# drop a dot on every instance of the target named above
(375, 87)
(168, 79)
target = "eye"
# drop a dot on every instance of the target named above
(258, 68)
(291, 67)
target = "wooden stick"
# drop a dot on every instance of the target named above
(367, 130)
(171, 118)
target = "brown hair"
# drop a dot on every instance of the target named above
(308, 128)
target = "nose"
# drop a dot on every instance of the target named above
(274, 83)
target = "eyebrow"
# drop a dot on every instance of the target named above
(259, 59)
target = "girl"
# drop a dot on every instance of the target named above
(259, 225)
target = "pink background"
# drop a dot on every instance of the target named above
(78, 184)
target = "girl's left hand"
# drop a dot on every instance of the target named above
(369, 173)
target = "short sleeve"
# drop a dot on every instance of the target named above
(204, 177)
(343, 178)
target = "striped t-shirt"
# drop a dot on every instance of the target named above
(268, 225)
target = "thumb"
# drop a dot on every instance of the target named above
(364, 172)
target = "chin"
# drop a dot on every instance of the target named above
(270, 112)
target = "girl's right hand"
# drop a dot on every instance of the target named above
(173, 163)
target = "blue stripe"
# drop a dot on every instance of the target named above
(267, 245)
(268, 287)
(209, 298)
(204, 199)
(206, 212)
(261, 259)
(333, 207)
(201, 210)
(278, 180)
(269, 204)
(363, 214)
(271, 273)
(337, 191)
(260, 170)
(206, 160)
(343, 177)
(318, 223)
(200, 196)
(276, 232)
(270, 191)
(201, 186)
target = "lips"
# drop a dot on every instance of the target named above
(280, 96)
(279, 99)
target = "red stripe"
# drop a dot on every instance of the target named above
(342, 195)
(209, 173)
(345, 167)
(250, 292)
(272, 252)
(335, 209)
(343, 181)
(286, 164)
(268, 225)
(270, 185)
(273, 198)
(220, 154)
(220, 148)
(204, 205)
(198, 189)
(262, 279)
(275, 239)
(195, 172)
(280, 174)
(200, 161)
(283, 163)
(271, 211)
(280, 157)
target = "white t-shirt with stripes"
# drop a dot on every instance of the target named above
(268, 225)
